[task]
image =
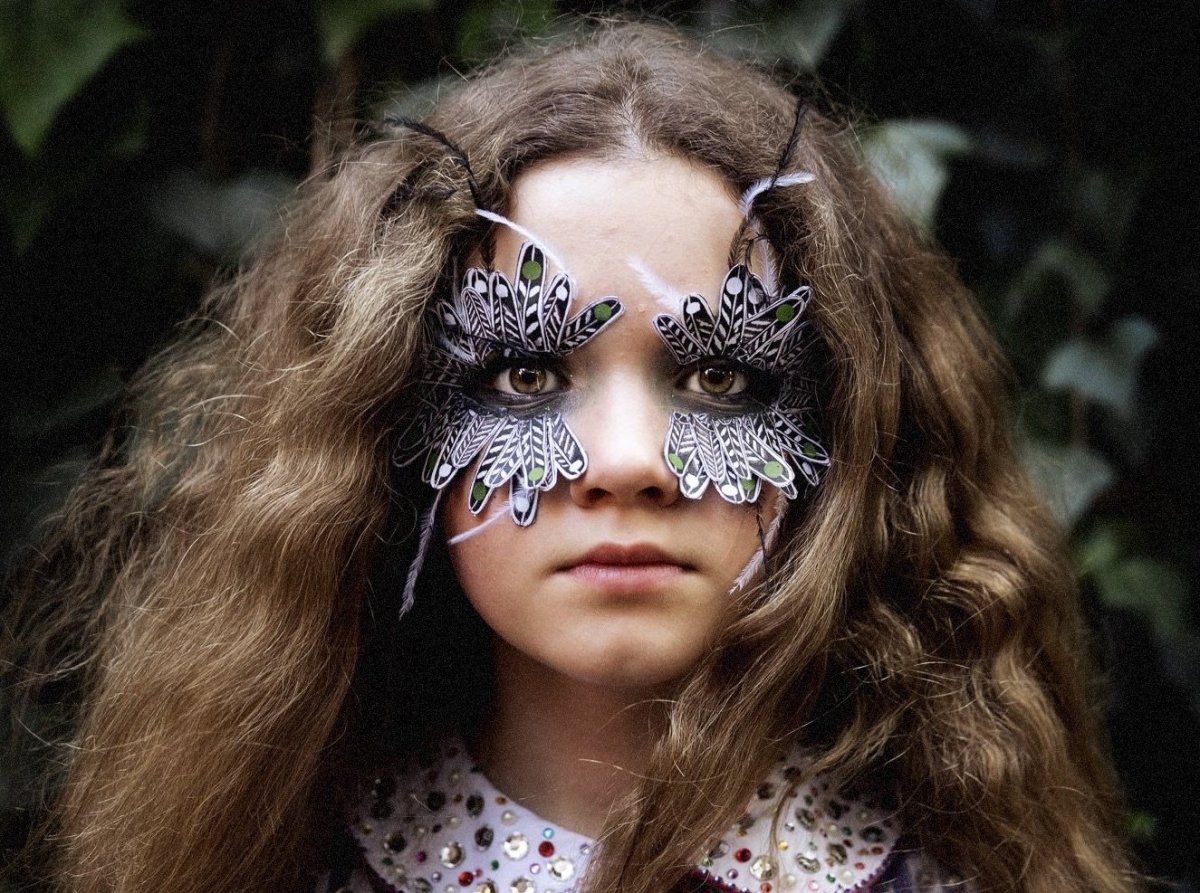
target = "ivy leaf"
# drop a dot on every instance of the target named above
(491, 26)
(1104, 371)
(802, 34)
(1147, 587)
(48, 50)
(912, 158)
(1061, 262)
(343, 22)
(1069, 477)
(221, 218)
(1150, 588)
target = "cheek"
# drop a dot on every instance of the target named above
(734, 533)
(488, 555)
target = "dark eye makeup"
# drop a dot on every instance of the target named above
(513, 380)
(727, 382)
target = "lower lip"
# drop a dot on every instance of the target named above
(627, 579)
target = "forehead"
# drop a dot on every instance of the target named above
(609, 219)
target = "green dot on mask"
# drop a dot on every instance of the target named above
(808, 449)
(785, 312)
(479, 491)
(536, 474)
(531, 269)
(773, 469)
(603, 311)
(748, 484)
(676, 461)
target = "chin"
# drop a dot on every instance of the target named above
(629, 666)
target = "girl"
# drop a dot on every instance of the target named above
(598, 485)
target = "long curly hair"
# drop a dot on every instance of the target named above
(216, 605)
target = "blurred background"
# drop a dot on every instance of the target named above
(1049, 145)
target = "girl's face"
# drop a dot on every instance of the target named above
(621, 581)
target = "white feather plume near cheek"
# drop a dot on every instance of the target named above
(757, 562)
(428, 523)
(501, 512)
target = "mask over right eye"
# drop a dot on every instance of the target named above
(493, 322)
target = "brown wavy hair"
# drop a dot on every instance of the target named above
(218, 597)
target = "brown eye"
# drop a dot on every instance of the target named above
(716, 379)
(527, 379)
(727, 382)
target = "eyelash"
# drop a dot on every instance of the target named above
(751, 384)
(495, 381)
(490, 383)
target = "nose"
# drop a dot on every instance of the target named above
(623, 430)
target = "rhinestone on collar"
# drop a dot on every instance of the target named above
(439, 826)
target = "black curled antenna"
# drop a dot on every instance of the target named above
(487, 248)
(740, 249)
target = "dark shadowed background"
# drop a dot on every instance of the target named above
(1049, 145)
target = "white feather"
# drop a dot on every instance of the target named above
(502, 512)
(428, 523)
(528, 235)
(758, 187)
(667, 296)
(756, 563)
(768, 269)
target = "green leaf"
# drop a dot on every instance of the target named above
(1069, 477)
(1147, 587)
(1141, 825)
(1104, 546)
(48, 50)
(1057, 261)
(1151, 589)
(1104, 371)
(1103, 202)
(343, 22)
(912, 159)
(221, 218)
(801, 34)
(491, 26)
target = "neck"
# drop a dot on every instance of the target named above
(567, 750)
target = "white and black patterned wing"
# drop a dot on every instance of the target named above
(568, 455)
(731, 311)
(683, 346)
(531, 273)
(586, 324)
(555, 305)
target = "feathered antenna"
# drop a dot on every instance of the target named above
(739, 250)
(428, 525)
(487, 249)
(760, 560)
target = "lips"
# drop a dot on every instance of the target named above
(617, 555)
(627, 569)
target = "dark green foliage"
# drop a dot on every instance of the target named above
(1049, 146)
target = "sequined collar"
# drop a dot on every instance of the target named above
(439, 826)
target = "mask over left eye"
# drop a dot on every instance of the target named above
(770, 442)
(493, 322)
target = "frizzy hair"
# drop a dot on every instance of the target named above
(211, 591)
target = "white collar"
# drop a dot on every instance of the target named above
(439, 826)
